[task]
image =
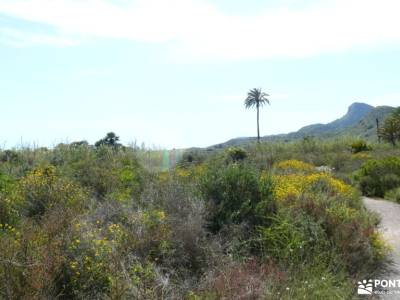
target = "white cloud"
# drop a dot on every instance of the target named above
(391, 99)
(18, 38)
(196, 29)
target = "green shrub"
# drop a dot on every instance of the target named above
(193, 156)
(378, 176)
(393, 195)
(359, 146)
(186, 218)
(9, 156)
(236, 154)
(235, 194)
(349, 228)
(8, 211)
(308, 143)
(293, 238)
(128, 181)
(103, 170)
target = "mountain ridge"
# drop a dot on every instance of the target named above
(359, 121)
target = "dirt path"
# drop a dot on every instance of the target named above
(390, 227)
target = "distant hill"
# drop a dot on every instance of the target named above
(355, 113)
(366, 127)
(359, 121)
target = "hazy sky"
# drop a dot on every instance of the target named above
(175, 73)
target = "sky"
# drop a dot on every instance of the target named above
(175, 73)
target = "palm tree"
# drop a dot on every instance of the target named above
(256, 98)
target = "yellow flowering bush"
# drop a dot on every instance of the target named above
(42, 189)
(183, 174)
(293, 165)
(155, 234)
(292, 185)
(97, 250)
(10, 231)
(93, 246)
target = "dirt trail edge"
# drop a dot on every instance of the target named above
(390, 228)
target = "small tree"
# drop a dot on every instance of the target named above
(396, 113)
(111, 139)
(390, 130)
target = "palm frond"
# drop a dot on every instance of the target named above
(256, 98)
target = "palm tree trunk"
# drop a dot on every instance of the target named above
(378, 131)
(258, 124)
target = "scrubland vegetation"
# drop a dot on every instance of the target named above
(260, 222)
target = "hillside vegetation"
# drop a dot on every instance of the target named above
(94, 222)
(358, 122)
